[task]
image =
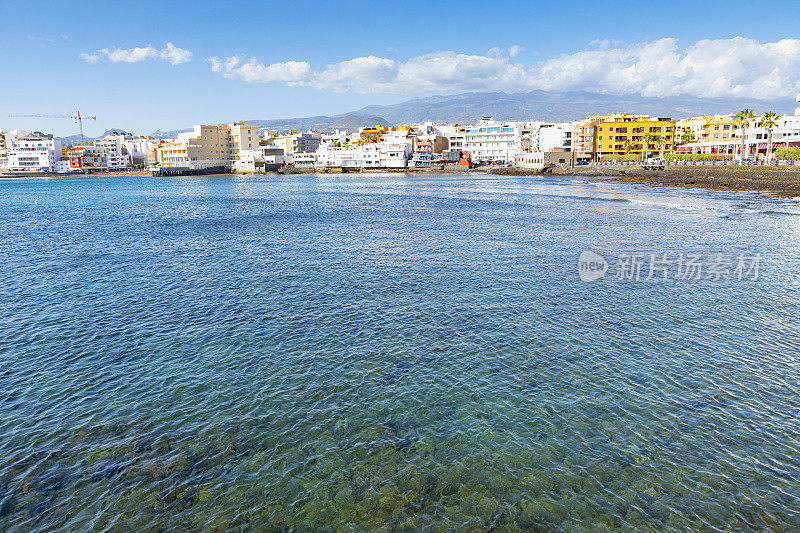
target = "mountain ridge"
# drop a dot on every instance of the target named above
(558, 106)
(468, 108)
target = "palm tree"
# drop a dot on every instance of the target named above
(687, 136)
(647, 140)
(744, 118)
(627, 145)
(769, 121)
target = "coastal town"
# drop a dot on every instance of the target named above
(241, 147)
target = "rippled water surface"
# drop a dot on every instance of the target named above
(388, 351)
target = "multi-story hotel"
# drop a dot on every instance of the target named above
(712, 137)
(490, 142)
(626, 135)
(87, 156)
(207, 147)
(32, 152)
(707, 128)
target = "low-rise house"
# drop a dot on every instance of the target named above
(458, 158)
(540, 160)
(350, 156)
(304, 159)
(61, 166)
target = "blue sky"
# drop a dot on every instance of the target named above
(259, 60)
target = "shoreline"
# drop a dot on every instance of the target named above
(777, 181)
(782, 182)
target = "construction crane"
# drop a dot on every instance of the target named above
(80, 118)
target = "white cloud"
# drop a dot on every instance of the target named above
(90, 58)
(130, 55)
(708, 68)
(452, 72)
(354, 75)
(175, 55)
(736, 67)
(290, 72)
(169, 53)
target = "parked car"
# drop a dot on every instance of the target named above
(654, 163)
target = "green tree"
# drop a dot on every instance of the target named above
(744, 117)
(687, 136)
(769, 121)
(627, 145)
(661, 142)
(788, 153)
(647, 140)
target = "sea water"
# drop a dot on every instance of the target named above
(393, 351)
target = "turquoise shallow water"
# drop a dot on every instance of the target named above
(388, 351)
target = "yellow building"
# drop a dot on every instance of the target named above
(371, 134)
(707, 128)
(584, 130)
(626, 136)
(3, 150)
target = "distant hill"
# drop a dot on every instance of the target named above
(323, 123)
(350, 122)
(171, 134)
(76, 139)
(534, 105)
(558, 106)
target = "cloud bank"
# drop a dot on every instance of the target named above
(170, 53)
(736, 67)
(253, 71)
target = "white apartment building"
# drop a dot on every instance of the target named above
(116, 160)
(491, 142)
(304, 159)
(61, 166)
(139, 149)
(294, 142)
(262, 158)
(366, 156)
(547, 137)
(396, 149)
(112, 146)
(112, 143)
(553, 137)
(455, 135)
(32, 152)
(303, 143)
